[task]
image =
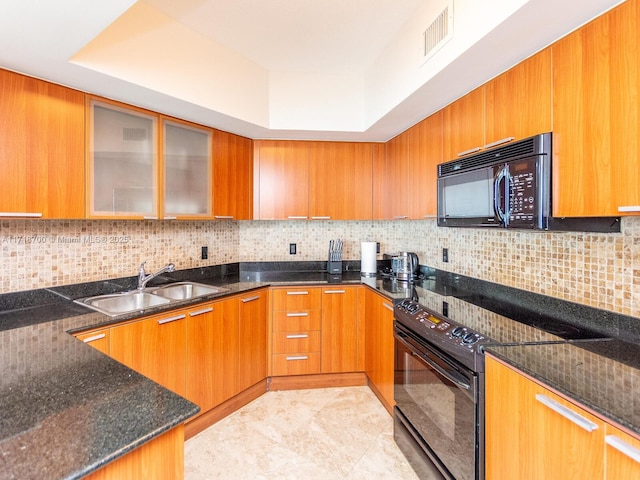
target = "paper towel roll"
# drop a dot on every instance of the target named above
(368, 259)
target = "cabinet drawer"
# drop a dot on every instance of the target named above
(296, 342)
(296, 299)
(296, 363)
(296, 321)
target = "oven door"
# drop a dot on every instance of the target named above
(438, 404)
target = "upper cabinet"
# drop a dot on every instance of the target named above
(518, 102)
(596, 116)
(313, 180)
(464, 125)
(232, 176)
(41, 149)
(396, 178)
(186, 172)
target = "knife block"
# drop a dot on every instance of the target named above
(334, 267)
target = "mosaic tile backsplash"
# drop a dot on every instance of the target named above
(599, 270)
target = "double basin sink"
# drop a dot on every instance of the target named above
(126, 302)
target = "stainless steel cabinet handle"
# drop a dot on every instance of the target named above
(250, 299)
(388, 306)
(94, 338)
(401, 217)
(162, 321)
(201, 312)
(298, 335)
(498, 142)
(298, 357)
(169, 218)
(302, 292)
(335, 291)
(467, 152)
(150, 217)
(321, 218)
(629, 208)
(21, 214)
(298, 314)
(567, 413)
(623, 447)
(223, 217)
(297, 217)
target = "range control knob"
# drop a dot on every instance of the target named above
(457, 332)
(470, 338)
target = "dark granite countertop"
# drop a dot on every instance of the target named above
(603, 375)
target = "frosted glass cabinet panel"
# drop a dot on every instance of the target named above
(122, 162)
(187, 170)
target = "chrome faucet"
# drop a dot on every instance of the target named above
(143, 278)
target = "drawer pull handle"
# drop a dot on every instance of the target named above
(629, 208)
(300, 314)
(297, 357)
(498, 142)
(297, 217)
(388, 306)
(149, 217)
(623, 447)
(302, 292)
(401, 217)
(467, 152)
(169, 218)
(321, 218)
(250, 299)
(20, 214)
(201, 312)
(94, 338)
(223, 217)
(335, 291)
(171, 319)
(299, 335)
(567, 413)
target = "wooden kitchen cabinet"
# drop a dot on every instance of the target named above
(396, 178)
(341, 181)
(41, 149)
(213, 356)
(253, 338)
(622, 455)
(282, 187)
(155, 347)
(464, 125)
(526, 438)
(232, 176)
(98, 339)
(379, 347)
(339, 329)
(596, 116)
(518, 102)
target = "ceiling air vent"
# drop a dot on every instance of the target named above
(134, 134)
(438, 33)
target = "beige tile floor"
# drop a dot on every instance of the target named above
(324, 434)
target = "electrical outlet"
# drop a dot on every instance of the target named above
(445, 255)
(204, 253)
(292, 249)
(378, 247)
(445, 308)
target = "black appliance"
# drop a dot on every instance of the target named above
(508, 186)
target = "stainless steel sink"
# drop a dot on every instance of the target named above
(186, 290)
(121, 303)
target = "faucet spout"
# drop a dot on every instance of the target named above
(144, 278)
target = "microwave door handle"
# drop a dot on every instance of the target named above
(508, 188)
(497, 195)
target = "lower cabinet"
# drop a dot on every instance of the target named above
(379, 346)
(98, 339)
(339, 329)
(532, 432)
(253, 339)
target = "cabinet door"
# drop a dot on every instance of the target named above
(186, 156)
(232, 176)
(98, 339)
(122, 162)
(396, 178)
(622, 455)
(527, 435)
(425, 153)
(341, 181)
(596, 116)
(212, 353)
(379, 346)
(283, 180)
(154, 347)
(339, 329)
(519, 100)
(41, 149)
(464, 125)
(253, 339)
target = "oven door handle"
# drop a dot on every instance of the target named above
(451, 375)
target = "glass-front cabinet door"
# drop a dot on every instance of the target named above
(123, 172)
(186, 170)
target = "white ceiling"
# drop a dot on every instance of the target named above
(330, 69)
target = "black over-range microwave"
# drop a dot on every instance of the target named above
(508, 186)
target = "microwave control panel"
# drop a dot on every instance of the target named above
(523, 191)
